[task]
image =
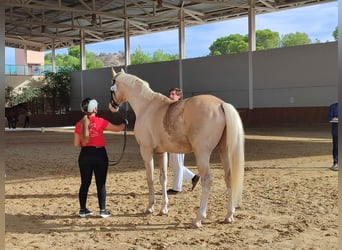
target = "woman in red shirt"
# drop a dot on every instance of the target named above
(93, 157)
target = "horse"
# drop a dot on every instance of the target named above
(198, 124)
(12, 113)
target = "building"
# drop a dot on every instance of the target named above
(30, 61)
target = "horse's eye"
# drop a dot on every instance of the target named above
(113, 88)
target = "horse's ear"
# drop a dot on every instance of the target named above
(122, 70)
(114, 73)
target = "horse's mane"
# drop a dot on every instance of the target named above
(145, 89)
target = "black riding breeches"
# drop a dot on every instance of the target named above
(335, 149)
(93, 159)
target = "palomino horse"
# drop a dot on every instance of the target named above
(12, 113)
(198, 124)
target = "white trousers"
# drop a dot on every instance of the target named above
(180, 172)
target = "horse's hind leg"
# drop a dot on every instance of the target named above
(163, 181)
(227, 177)
(202, 160)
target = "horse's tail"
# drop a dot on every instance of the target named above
(235, 148)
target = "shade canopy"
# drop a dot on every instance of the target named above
(44, 25)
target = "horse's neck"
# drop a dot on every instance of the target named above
(138, 101)
(142, 97)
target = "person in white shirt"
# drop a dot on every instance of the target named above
(176, 161)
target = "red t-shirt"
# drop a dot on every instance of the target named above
(96, 127)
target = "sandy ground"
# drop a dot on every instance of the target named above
(289, 197)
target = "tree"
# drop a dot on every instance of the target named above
(72, 59)
(236, 43)
(139, 57)
(74, 51)
(9, 96)
(26, 95)
(68, 61)
(58, 88)
(160, 56)
(92, 62)
(267, 39)
(231, 44)
(294, 39)
(335, 34)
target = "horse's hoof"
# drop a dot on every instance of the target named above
(196, 224)
(163, 211)
(229, 219)
(149, 210)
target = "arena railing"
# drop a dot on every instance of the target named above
(11, 69)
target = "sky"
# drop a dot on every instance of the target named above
(318, 21)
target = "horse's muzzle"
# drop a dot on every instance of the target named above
(114, 104)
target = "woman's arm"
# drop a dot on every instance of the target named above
(77, 140)
(115, 128)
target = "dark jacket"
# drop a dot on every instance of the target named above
(333, 112)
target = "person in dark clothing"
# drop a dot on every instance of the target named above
(93, 157)
(333, 119)
(27, 120)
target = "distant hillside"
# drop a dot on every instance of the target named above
(111, 59)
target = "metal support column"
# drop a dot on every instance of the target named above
(53, 56)
(181, 42)
(339, 98)
(252, 47)
(82, 50)
(2, 113)
(127, 45)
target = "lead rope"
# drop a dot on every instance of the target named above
(116, 162)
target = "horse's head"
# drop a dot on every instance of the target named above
(127, 87)
(117, 96)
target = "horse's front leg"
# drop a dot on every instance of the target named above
(162, 160)
(147, 156)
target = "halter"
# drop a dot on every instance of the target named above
(114, 104)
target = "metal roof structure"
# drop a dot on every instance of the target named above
(42, 25)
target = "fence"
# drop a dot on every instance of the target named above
(27, 69)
